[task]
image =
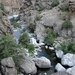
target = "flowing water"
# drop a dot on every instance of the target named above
(39, 52)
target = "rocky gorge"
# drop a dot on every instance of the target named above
(40, 14)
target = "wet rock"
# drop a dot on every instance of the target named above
(8, 66)
(68, 59)
(61, 73)
(42, 62)
(59, 67)
(71, 70)
(27, 66)
(59, 53)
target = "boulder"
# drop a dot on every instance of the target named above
(71, 70)
(42, 62)
(61, 73)
(59, 67)
(59, 53)
(8, 66)
(68, 59)
(27, 66)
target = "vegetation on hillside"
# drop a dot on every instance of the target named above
(67, 24)
(50, 36)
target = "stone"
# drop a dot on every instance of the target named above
(61, 73)
(68, 59)
(8, 62)
(71, 70)
(27, 66)
(8, 66)
(42, 62)
(59, 53)
(59, 67)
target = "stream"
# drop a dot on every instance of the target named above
(39, 52)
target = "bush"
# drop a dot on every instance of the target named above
(67, 24)
(68, 47)
(31, 27)
(8, 46)
(30, 47)
(24, 39)
(14, 22)
(38, 17)
(64, 7)
(50, 37)
(2, 7)
(41, 8)
(1, 16)
(55, 3)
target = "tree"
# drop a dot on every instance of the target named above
(8, 46)
(50, 37)
(24, 39)
(67, 24)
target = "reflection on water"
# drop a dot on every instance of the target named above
(51, 56)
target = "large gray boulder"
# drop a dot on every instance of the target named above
(27, 66)
(61, 73)
(59, 53)
(42, 62)
(68, 59)
(8, 66)
(59, 67)
(71, 70)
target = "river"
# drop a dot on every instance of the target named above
(40, 52)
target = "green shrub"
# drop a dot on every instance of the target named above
(67, 24)
(31, 27)
(30, 47)
(41, 8)
(64, 7)
(38, 17)
(55, 3)
(50, 37)
(2, 7)
(1, 16)
(24, 39)
(8, 46)
(68, 47)
(15, 24)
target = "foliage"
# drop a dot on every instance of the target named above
(8, 46)
(30, 47)
(2, 7)
(67, 24)
(50, 37)
(68, 47)
(41, 8)
(14, 22)
(65, 15)
(1, 16)
(64, 7)
(38, 17)
(55, 3)
(24, 39)
(31, 27)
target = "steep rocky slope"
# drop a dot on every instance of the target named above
(12, 6)
(52, 18)
(5, 27)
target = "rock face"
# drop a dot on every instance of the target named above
(71, 70)
(61, 73)
(5, 27)
(59, 53)
(11, 6)
(8, 66)
(27, 66)
(59, 67)
(42, 62)
(68, 59)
